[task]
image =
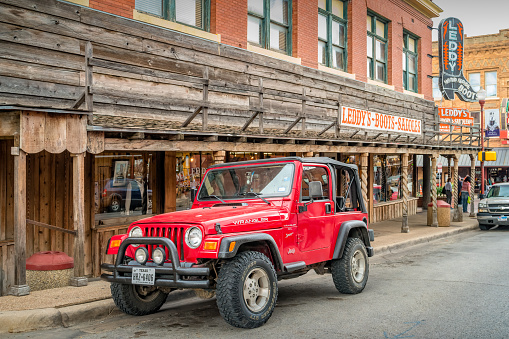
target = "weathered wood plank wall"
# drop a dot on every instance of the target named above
(6, 216)
(392, 210)
(42, 62)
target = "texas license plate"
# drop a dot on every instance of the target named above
(143, 276)
(502, 218)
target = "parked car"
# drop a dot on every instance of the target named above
(494, 209)
(114, 195)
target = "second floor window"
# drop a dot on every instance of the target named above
(377, 48)
(188, 12)
(437, 94)
(269, 24)
(332, 33)
(490, 80)
(409, 62)
(475, 81)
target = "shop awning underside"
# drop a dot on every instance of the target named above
(464, 161)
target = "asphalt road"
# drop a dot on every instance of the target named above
(453, 288)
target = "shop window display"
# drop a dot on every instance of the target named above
(190, 168)
(387, 178)
(122, 185)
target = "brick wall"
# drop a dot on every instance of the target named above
(119, 7)
(229, 18)
(305, 31)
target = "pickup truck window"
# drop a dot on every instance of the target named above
(238, 182)
(499, 191)
(315, 173)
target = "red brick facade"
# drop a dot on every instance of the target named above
(229, 19)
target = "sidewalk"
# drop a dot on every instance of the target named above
(69, 306)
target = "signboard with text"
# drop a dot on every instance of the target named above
(359, 118)
(492, 123)
(458, 116)
(450, 54)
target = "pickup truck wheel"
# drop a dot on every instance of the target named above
(483, 227)
(247, 290)
(350, 273)
(137, 299)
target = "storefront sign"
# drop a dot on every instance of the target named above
(450, 50)
(359, 118)
(457, 116)
(492, 123)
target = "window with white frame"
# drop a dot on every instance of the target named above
(410, 62)
(475, 81)
(193, 13)
(377, 47)
(269, 24)
(490, 81)
(437, 94)
(332, 25)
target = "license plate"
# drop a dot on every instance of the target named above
(143, 276)
(502, 218)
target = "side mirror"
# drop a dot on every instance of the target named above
(194, 191)
(315, 189)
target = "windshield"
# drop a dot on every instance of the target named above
(242, 181)
(499, 191)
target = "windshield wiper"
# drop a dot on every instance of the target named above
(218, 198)
(257, 195)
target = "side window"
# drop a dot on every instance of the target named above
(315, 173)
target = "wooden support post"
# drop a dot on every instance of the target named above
(415, 177)
(89, 82)
(303, 112)
(20, 229)
(205, 115)
(457, 214)
(434, 189)
(404, 188)
(78, 202)
(472, 185)
(170, 182)
(260, 104)
(364, 177)
(338, 121)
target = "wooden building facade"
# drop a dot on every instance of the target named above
(102, 119)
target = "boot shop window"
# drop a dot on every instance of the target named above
(123, 185)
(332, 39)
(191, 167)
(269, 24)
(195, 13)
(387, 178)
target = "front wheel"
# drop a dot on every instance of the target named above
(350, 273)
(137, 299)
(484, 227)
(247, 290)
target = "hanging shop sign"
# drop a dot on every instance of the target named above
(492, 123)
(359, 118)
(450, 53)
(458, 116)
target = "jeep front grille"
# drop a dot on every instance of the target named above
(498, 208)
(174, 233)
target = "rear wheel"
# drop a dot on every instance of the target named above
(247, 290)
(350, 273)
(137, 299)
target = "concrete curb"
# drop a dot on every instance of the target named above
(401, 245)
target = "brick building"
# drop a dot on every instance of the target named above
(487, 66)
(112, 110)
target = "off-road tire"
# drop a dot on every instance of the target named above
(484, 227)
(233, 283)
(129, 301)
(350, 273)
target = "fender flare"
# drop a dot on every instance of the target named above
(240, 240)
(344, 230)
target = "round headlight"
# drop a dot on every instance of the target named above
(135, 232)
(193, 237)
(141, 255)
(158, 255)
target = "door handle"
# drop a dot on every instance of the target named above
(328, 208)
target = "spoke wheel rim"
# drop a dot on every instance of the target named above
(146, 293)
(115, 205)
(358, 266)
(256, 290)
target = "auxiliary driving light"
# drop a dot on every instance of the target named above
(159, 256)
(141, 255)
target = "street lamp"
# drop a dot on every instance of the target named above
(481, 96)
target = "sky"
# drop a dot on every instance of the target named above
(479, 17)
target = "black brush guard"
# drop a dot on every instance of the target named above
(168, 275)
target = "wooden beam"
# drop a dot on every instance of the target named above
(51, 227)
(78, 202)
(170, 182)
(89, 81)
(19, 217)
(292, 125)
(205, 115)
(250, 120)
(195, 113)
(351, 136)
(260, 104)
(328, 127)
(80, 100)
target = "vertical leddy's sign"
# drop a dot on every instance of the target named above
(450, 48)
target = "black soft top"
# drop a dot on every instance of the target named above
(316, 160)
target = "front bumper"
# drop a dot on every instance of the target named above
(175, 274)
(493, 219)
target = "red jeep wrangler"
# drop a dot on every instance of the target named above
(252, 223)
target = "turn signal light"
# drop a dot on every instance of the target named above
(210, 245)
(115, 243)
(232, 246)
